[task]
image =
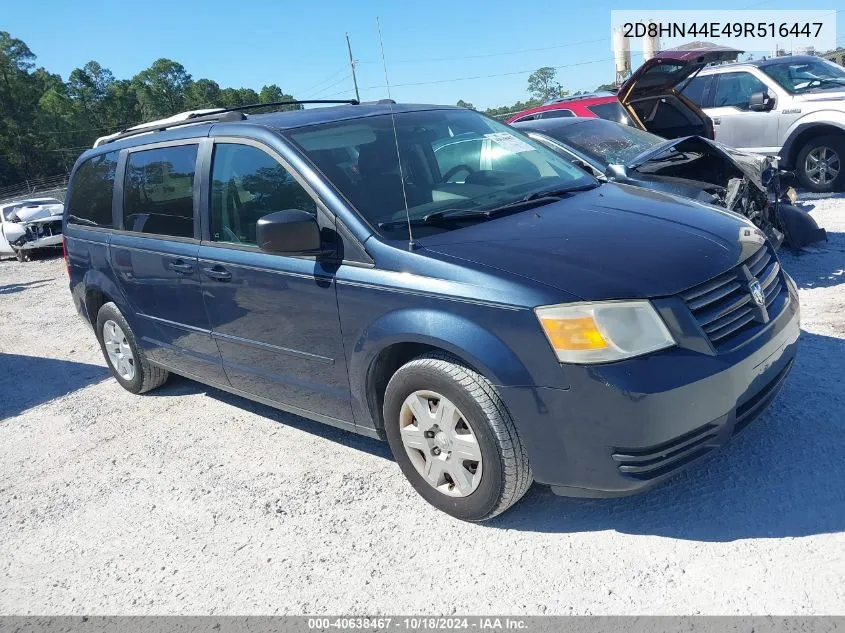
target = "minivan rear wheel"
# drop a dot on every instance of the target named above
(453, 438)
(820, 164)
(126, 361)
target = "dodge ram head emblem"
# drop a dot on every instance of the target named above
(757, 292)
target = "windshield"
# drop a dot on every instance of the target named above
(451, 161)
(796, 76)
(606, 142)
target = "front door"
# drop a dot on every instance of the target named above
(734, 123)
(275, 318)
(154, 258)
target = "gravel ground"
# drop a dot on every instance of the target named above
(189, 500)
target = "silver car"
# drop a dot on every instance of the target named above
(792, 106)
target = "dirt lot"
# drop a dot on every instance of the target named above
(189, 500)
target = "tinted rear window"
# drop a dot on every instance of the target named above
(91, 191)
(158, 193)
(612, 111)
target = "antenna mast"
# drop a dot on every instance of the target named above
(352, 64)
(411, 244)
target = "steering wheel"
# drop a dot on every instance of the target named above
(456, 170)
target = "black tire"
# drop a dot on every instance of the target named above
(147, 376)
(506, 474)
(836, 143)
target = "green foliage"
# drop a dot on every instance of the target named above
(465, 104)
(543, 85)
(45, 122)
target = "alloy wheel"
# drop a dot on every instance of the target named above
(822, 165)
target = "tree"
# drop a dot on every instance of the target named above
(465, 104)
(161, 88)
(607, 88)
(202, 93)
(543, 84)
(46, 122)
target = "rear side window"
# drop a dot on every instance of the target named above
(612, 111)
(91, 191)
(696, 89)
(158, 192)
(556, 114)
(247, 184)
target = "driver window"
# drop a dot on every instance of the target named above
(735, 89)
(247, 184)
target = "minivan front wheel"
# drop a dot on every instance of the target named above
(453, 438)
(126, 361)
(820, 164)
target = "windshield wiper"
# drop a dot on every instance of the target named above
(824, 81)
(557, 192)
(444, 217)
(456, 216)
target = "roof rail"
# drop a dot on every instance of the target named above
(255, 106)
(204, 116)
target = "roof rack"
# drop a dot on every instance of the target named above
(217, 116)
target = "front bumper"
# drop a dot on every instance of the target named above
(625, 427)
(51, 241)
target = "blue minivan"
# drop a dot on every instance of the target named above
(430, 276)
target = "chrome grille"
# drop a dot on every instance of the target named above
(725, 308)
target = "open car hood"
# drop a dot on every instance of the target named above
(751, 165)
(38, 212)
(660, 74)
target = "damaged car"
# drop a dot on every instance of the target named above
(30, 225)
(690, 166)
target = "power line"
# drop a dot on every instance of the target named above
(330, 86)
(486, 55)
(508, 74)
(324, 81)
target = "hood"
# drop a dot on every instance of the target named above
(830, 94)
(613, 242)
(667, 69)
(751, 165)
(38, 212)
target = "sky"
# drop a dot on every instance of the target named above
(436, 51)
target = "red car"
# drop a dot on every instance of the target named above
(600, 105)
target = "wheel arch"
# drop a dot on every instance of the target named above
(403, 335)
(805, 131)
(99, 290)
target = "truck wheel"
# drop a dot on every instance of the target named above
(126, 361)
(20, 255)
(454, 440)
(820, 164)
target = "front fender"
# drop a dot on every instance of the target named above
(831, 118)
(467, 340)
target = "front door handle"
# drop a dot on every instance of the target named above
(218, 273)
(717, 120)
(181, 267)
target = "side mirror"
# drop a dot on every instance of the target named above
(760, 102)
(289, 232)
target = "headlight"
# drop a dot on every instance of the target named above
(604, 331)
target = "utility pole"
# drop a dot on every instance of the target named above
(352, 64)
